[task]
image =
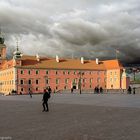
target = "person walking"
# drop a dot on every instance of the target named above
(134, 90)
(95, 90)
(101, 90)
(30, 93)
(46, 96)
(129, 90)
(71, 90)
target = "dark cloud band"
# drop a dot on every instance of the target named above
(68, 28)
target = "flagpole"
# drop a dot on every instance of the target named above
(117, 51)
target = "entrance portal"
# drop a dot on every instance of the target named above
(74, 87)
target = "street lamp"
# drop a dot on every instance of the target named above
(80, 74)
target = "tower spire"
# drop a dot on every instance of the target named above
(17, 53)
(17, 47)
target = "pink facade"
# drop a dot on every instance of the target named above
(57, 79)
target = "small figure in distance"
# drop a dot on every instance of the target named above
(71, 90)
(129, 90)
(95, 90)
(134, 90)
(45, 100)
(101, 90)
(30, 93)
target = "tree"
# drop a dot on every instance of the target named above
(133, 71)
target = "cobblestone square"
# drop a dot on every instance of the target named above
(71, 117)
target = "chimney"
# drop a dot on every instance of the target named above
(37, 57)
(82, 60)
(97, 61)
(57, 58)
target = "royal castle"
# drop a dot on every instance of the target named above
(24, 73)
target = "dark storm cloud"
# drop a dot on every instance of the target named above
(89, 28)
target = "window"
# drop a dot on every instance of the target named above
(64, 72)
(37, 81)
(29, 72)
(21, 89)
(47, 72)
(74, 72)
(90, 86)
(74, 80)
(57, 81)
(66, 81)
(84, 80)
(56, 87)
(36, 88)
(21, 72)
(81, 73)
(29, 82)
(98, 80)
(37, 72)
(56, 72)
(90, 80)
(47, 81)
(65, 87)
(68, 72)
(21, 82)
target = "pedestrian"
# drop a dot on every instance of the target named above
(95, 90)
(45, 100)
(30, 93)
(101, 90)
(129, 90)
(71, 90)
(49, 91)
(134, 90)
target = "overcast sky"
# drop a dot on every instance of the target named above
(88, 28)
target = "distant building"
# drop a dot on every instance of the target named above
(24, 73)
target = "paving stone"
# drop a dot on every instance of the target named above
(71, 117)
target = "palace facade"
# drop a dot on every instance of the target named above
(25, 73)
